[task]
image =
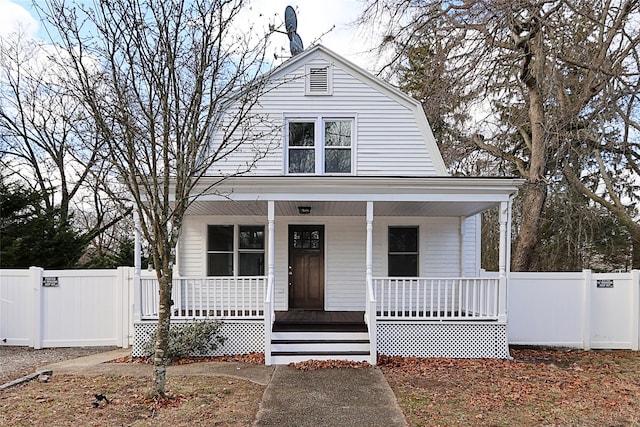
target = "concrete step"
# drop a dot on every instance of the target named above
(288, 347)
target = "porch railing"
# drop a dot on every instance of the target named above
(459, 298)
(210, 297)
(370, 320)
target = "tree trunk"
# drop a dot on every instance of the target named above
(635, 249)
(525, 244)
(535, 186)
(160, 361)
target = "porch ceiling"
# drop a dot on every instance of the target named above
(340, 208)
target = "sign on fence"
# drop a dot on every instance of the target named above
(50, 282)
(604, 283)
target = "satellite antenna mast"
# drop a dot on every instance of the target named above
(291, 25)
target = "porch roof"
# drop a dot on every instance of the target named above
(347, 196)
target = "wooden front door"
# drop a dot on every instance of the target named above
(306, 267)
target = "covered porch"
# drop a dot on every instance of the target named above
(393, 310)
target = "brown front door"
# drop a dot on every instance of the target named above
(306, 267)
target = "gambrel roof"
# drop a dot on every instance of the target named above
(404, 113)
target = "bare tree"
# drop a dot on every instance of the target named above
(49, 142)
(544, 73)
(160, 78)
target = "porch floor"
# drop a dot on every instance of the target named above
(319, 321)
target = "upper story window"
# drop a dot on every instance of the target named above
(319, 145)
(235, 250)
(403, 251)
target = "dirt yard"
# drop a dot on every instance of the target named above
(540, 387)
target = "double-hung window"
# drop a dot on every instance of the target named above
(235, 250)
(403, 251)
(319, 145)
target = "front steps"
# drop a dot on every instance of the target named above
(298, 340)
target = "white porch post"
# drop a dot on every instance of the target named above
(370, 313)
(504, 259)
(369, 251)
(269, 304)
(137, 263)
(271, 217)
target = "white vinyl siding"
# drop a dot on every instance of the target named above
(439, 250)
(391, 137)
(346, 269)
(472, 246)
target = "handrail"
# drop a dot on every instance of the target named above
(370, 319)
(269, 318)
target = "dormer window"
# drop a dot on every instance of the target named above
(318, 80)
(319, 145)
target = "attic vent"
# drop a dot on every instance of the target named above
(318, 80)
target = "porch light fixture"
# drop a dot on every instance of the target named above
(304, 210)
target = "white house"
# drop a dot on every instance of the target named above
(349, 239)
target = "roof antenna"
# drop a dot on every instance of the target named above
(291, 25)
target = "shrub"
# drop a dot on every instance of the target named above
(198, 338)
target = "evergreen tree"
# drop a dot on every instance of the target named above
(32, 235)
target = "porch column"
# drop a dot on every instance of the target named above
(137, 263)
(370, 304)
(505, 225)
(271, 241)
(369, 250)
(269, 303)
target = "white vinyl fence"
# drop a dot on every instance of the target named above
(581, 310)
(66, 308)
(59, 308)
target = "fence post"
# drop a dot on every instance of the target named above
(123, 307)
(586, 309)
(635, 315)
(36, 274)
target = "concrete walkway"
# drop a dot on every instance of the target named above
(326, 397)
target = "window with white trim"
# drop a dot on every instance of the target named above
(403, 251)
(319, 145)
(235, 250)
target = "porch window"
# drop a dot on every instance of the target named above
(320, 145)
(403, 251)
(230, 246)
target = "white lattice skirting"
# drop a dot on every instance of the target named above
(241, 336)
(454, 339)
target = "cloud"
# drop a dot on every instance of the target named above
(15, 18)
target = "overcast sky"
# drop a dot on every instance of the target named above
(314, 19)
